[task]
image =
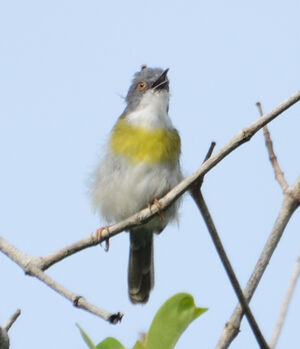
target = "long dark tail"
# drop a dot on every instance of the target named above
(141, 267)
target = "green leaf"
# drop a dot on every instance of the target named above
(110, 343)
(171, 320)
(86, 338)
(139, 345)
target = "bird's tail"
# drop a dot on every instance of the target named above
(141, 267)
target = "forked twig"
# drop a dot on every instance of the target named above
(291, 201)
(4, 339)
(201, 204)
(31, 267)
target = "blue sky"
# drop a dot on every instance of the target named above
(65, 68)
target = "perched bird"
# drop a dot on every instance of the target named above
(140, 166)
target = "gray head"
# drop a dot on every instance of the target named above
(145, 81)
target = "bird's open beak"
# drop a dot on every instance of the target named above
(162, 82)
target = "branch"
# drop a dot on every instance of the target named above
(4, 339)
(285, 304)
(279, 175)
(232, 326)
(11, 320)
(31, 267)
(201, 204)
(147, 213)
(291, 202)
(197, 196)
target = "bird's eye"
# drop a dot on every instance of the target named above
(141, 85)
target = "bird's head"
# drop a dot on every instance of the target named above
(149, 85)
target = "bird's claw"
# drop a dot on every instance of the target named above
(159, 207)
(99, 237)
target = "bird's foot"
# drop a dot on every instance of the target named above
(99, 236)
(159, 206)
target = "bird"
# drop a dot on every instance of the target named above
(141, 164)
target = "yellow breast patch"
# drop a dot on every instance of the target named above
(140, 144)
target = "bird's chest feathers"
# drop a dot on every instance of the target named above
(140, 143)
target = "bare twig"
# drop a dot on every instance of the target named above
(210, 151)
(231, 329)
(285, 305)
(4, 339)
(279, 175)
(201, 204)
(197, 196)
(12, 319)
(147, 213)
(31, 267)
(291, 202)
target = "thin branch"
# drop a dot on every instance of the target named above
(231, 329)
(11, 320)
(291, 202)
(147, 213)
(210, 151)
(285, 305)
(4, 339)
(279, 175)
(32, 268)
(200, 202)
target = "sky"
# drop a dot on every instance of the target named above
(65, 67)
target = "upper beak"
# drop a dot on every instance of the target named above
(162, 82)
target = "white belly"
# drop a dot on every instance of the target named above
(121, 189)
